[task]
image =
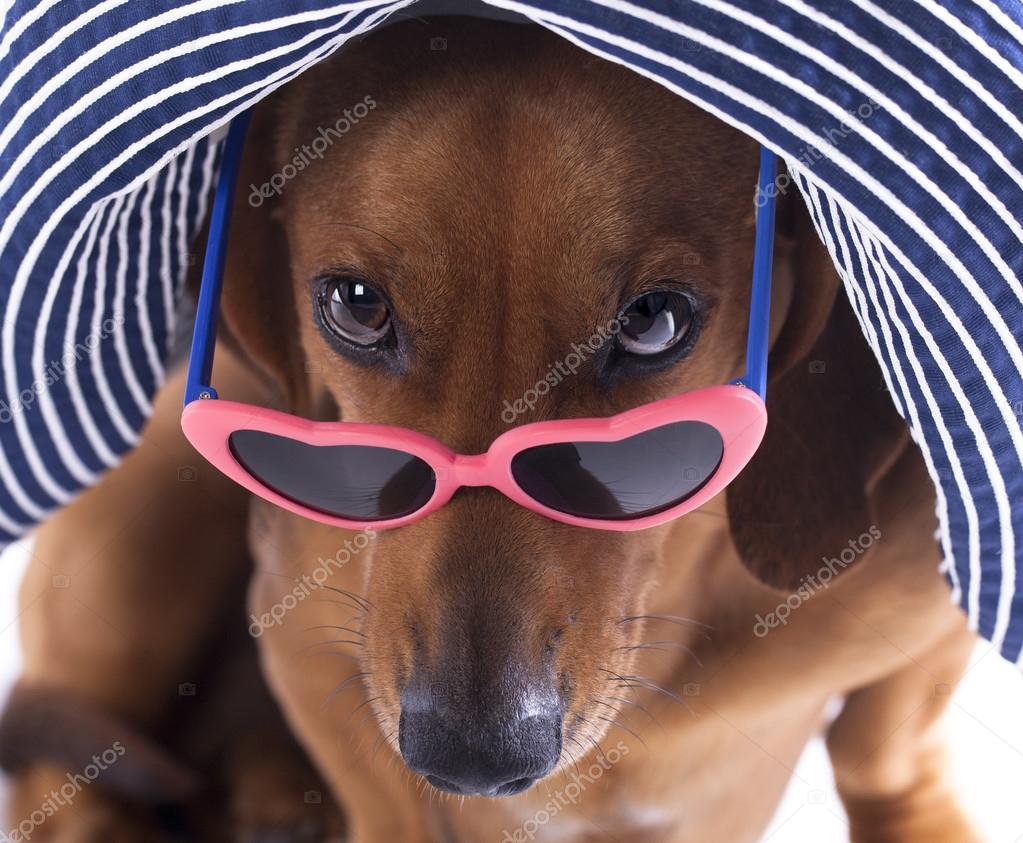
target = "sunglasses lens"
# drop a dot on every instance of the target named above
(631, 478)
(355, 482)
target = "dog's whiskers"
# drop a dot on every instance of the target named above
(703, 628)
(382, 738)
(634, 681)
(354, 678)
(623, 727)
(599, 749)
(345, 603)
(661, 646)
(364, 604)
(634, 704)
(369, 701)
(309, 647)
(332, 626)
(572, 758)
(338, 653)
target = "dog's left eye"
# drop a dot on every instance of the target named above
(355, 310)
(655, 322)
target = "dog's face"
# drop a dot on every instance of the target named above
(493, 208)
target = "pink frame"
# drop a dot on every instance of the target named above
(736, 410)
(738, 414)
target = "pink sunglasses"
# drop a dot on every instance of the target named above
(634, 470)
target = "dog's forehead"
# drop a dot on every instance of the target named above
(509, 201)
(498, 162)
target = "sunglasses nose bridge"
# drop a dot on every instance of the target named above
(470, 470)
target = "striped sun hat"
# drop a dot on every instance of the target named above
(900, 121)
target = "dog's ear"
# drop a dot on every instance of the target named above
(831, 432)
(258, 315)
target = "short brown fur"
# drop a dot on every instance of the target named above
(508, 194)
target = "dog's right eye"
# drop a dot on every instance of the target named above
(354, 310)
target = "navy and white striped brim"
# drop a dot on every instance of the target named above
(900, 123)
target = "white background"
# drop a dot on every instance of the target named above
(985, 722)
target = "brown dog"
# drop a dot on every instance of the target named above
(503, 199)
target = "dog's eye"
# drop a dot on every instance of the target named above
(355, 310)
(655, 322)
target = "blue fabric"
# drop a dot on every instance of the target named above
(900, 123)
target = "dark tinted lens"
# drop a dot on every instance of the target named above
(642, 475)
(347, 481)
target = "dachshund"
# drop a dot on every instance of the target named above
(485, 673)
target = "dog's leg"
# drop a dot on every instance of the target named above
(888, 752)
(119, 599)
(264, 787)
(307, 598)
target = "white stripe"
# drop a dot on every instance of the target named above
(192, 82)
(886, 316)
(974, 86)
(80, 105)
(757, 105)
(50, 486)
(120, 292)
(963, 30)
(110, 404)
(142, 285)
(47, 406)
(57, 493)
(846, 73)
(843, 267)
(999, 492)
(881, 192)
(166, 268)
(213, 142)
(799, 87)
(16, 491)
(907, 408)
(5, 10)
(82, 411)
(63, 36)
(13, 528)
(1008, 24)
(279, 77)
(23, 23)
(7, 524)
(962, 121)
(181, 223)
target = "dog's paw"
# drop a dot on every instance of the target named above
(280, 799)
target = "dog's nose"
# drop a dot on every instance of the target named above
(501, 759)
